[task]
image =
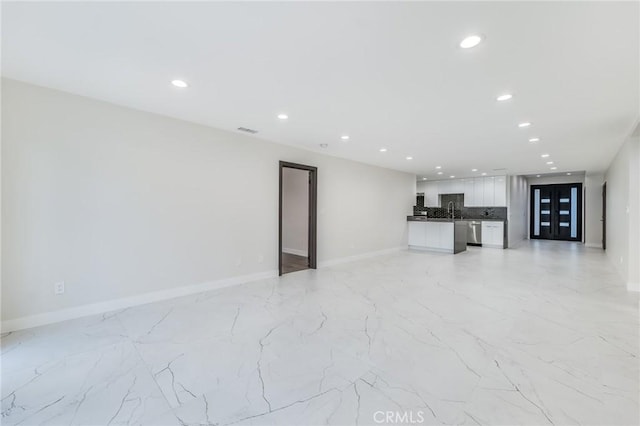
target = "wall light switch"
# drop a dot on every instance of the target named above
(58, 288)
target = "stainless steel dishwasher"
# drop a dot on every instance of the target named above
(474, 233)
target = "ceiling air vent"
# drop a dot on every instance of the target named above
(247, 130)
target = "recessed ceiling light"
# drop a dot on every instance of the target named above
(283, 116)
(553, 168)
(537, 175)
(344, 137)
(383, 149)
(549, 162)
(439, 173)
(474, 170)
(525, 124)
(179, 83)
(452, 176)
(424, 178)
(534, 140)
(484, 174)
(544, 155)
(470, 41)
(438, 167)
(568, 174)
(324, 145)
(504, 97)
(409, 158)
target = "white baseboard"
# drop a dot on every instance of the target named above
(496, 246)
(431, 249)
(156, 296)
(116, 304)
(593, 245)
(362, 256)
(295, 251)
(516, 242)
(631, 286)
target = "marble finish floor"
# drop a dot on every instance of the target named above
(542, 334)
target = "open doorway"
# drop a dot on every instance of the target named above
(297, 217)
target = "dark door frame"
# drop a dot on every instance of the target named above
(313, 213)
(578, 203)
(604, 216)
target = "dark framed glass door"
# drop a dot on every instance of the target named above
(556, 212)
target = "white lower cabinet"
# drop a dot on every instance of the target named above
(446, 237)
(438, 236)
(493, 234)
(417, 234)
(432, 231)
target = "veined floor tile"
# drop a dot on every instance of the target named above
(109, 385)
(542, 334)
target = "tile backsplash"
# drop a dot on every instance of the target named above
(499, 213)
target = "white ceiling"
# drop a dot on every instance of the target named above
(387, 74)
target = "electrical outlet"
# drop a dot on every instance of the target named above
(58, 288)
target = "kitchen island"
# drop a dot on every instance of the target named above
(443, 235)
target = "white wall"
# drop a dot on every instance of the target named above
(295, 211)
(623, 212)
(550, 180)
(517, 212)
(119, 203)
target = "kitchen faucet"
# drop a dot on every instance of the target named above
(452, 205)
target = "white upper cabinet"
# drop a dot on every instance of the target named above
(489, 191)
(451, 186)
(469, 194)
(431, 194)
(457, 186)
(445, 187)
(500, 191)
(478, 190)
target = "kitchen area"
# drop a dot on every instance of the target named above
(452, 214)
